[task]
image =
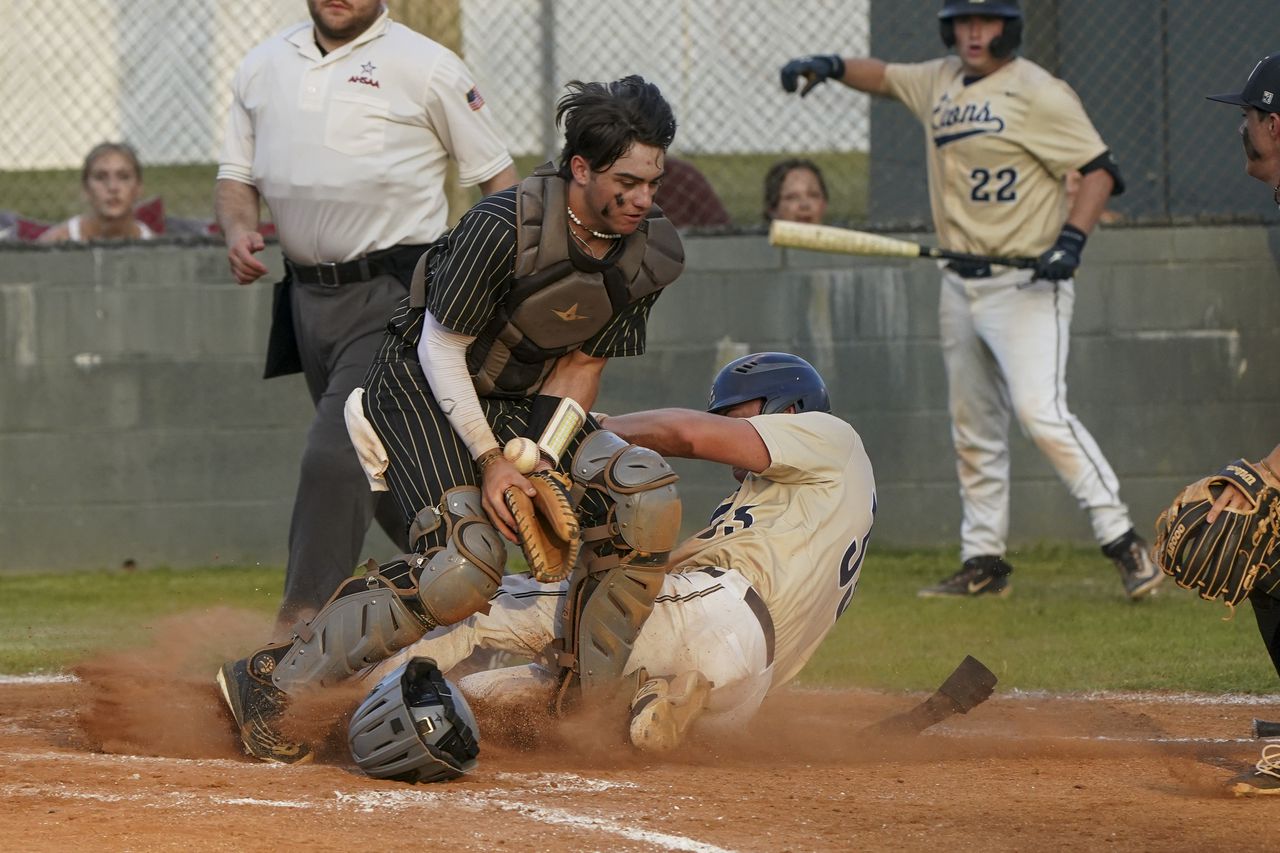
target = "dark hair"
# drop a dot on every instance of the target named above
(110, 148)
(778, 172)
(602, 120)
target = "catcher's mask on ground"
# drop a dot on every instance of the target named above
(415, 726)
(779, 378)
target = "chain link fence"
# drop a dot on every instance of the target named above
(156, 73)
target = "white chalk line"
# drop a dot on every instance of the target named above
(1014, 694)
(1003, 735)
(39, 678)
(1017, 694)
(383, 801)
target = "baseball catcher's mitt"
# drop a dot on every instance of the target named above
(547, 525)
(1238, 551)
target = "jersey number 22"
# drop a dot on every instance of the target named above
(1002, 190)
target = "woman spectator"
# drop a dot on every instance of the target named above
(112, 183)
(795, 191)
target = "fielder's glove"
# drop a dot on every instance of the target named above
(814, 69)
(548, 528)
(1238, 551)
(1061, 260)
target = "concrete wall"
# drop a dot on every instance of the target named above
(134, 424)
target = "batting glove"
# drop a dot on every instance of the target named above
(814, 69)
(1061, 260)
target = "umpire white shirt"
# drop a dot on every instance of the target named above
(349, 150)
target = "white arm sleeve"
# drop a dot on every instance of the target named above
(443, 355)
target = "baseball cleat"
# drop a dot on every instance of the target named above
(1263, 779)
(986, 575)
(257, 705)
(663, 709)
(1138, 571)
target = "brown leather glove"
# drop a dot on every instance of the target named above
(547, 526)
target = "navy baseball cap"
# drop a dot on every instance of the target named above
(1262, 89)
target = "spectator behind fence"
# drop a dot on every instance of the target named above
(795, 191)
(687, 197)
(344, 126)
(111, 180)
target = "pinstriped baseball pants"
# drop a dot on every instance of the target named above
(426, 457)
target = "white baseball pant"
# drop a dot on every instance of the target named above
(702, 620)
(1004, 343)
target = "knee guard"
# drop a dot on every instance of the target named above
(372, 617)
(611, 598)
(643, 520)
(456, 580)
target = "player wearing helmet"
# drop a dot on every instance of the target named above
(1003, 134)
(750, 597)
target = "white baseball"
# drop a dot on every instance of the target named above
(522, 453)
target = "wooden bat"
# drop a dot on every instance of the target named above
(846, 241)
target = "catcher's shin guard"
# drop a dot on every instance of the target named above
(372, 617)
(612, 592)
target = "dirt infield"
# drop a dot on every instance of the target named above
(1019, 773)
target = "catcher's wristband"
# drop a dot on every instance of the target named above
(564, 424)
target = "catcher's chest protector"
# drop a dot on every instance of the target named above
(560, 301)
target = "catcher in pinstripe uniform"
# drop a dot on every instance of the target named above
(514, 311)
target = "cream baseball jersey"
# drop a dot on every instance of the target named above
(998, 148)
(798, 531)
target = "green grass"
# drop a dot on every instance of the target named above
(1066, 627)
(49, 621)
(52, 195)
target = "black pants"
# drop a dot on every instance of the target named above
(338, 332)
(1266, 610)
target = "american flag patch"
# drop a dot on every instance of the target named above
(474, 99)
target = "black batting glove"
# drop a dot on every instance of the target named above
(1061, 260)
(814, 69)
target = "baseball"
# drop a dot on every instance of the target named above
(522, 453)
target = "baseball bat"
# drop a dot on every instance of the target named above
(846, 241)
(966, 688)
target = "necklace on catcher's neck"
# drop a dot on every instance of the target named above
(598, 235)
(586, 246)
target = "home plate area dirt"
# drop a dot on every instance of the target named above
(128, 755)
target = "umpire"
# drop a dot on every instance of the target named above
(344, 126)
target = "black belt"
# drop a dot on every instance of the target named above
(970, 269)
(369, 267)
(759, 608)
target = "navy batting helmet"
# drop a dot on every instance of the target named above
(779, 378)
(1002, 45)
(414, 727)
